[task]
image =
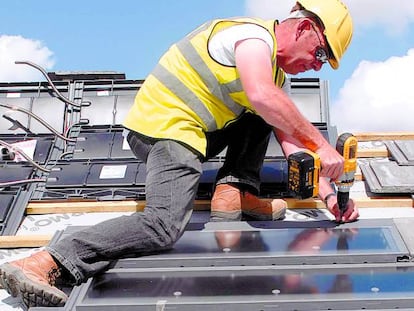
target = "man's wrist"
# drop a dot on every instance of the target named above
(328, 196)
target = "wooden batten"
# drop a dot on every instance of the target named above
(378, 136)
(24, 241)
(35, 208)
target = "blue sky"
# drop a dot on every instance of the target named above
(370, 91)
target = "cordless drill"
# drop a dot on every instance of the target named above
(346, 145)
(304, 168)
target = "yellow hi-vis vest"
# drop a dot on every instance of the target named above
(189, 93)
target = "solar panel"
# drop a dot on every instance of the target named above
(270, 288)
(261, 266)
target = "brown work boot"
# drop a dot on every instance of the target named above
(226, 204)
(229, 202)
(262, 209)
(33, 278)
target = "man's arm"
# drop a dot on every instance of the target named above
(253, 61)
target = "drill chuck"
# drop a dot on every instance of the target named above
(347, 147)
(343, 198)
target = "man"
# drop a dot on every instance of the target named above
(218, 87)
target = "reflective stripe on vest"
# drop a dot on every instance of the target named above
(210, 80)
(171, 82)
(222, 92)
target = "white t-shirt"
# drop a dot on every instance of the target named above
(221, 45)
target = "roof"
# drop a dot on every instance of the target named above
(87, 175)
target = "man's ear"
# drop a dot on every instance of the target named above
(302, 26)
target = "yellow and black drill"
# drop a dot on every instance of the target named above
(304, 168)
(346, 145)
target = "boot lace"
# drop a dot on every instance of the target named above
(52, 275)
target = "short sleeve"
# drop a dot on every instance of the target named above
(222, 45)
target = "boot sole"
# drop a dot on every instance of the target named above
(237, 216)
(33, 294)
(216, 216)
(277, 215)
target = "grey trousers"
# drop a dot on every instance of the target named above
(173, 173)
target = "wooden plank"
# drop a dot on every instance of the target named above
(35, 208)
(358, 175)
(368, 202)
(388, 202)
(384, 136)
(28, 241)
(372, 153)
(39, 208)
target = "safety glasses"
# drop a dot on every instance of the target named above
(320, 53)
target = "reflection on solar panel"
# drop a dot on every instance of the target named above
(320, 288)
(280, 247)
(275, 267)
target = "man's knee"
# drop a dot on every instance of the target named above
(165, 230)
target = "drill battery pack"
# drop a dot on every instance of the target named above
(303, 174)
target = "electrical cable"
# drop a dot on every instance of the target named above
(52, 85)
(24, 155)
(39, 119)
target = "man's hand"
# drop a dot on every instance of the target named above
(332, 163)
(351, 213)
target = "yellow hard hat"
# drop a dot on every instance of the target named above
(337, 22)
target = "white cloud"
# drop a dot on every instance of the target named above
(14, 48)
(378, 97)
(269, 9)
(393, 17)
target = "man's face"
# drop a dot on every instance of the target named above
(308, 52)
